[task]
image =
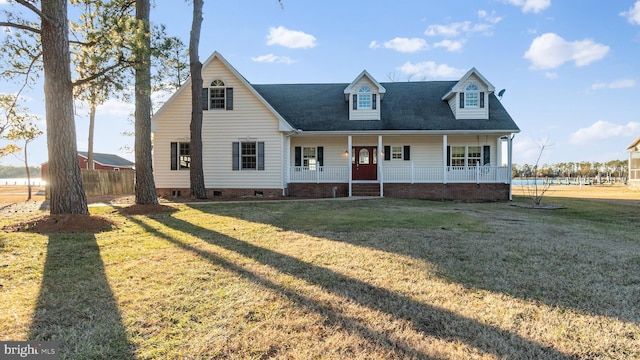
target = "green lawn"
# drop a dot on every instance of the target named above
(365, 279)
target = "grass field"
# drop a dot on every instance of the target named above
(365, 279)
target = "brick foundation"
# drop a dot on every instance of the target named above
(456, 192)
(460, 192)
(313, 190)
(222, 194)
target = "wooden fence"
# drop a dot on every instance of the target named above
(108, 182)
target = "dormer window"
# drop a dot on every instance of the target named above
(364, 97)
(217, 96)
(472, 97)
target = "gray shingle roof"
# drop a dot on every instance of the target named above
(108, 159)
(405, 106)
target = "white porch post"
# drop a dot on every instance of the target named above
(380, 158)
(509, 161)
(349, 144)
(444, 159)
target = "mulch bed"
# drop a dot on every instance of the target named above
(63, 223)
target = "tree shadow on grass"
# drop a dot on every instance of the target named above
(561, 268)
(76, 306)
(425, 319)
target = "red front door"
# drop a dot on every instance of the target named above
(364, 162)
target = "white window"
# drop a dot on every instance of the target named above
(309, 157)
(217, 95)
(249, 156)
(471, 96)
(474, 155)
(467, 155)
(458, 155)
(364, 97)
(396, 153)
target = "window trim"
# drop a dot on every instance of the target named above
(472, 96)
(176, 156)
(237, 156)
(365, 92)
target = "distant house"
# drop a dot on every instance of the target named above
(423, 139)
(100, 162)
(634, 165)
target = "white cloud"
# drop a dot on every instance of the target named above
(457, 29)
(450, 45)
(273, 59)
(551, 75)
(430, 70)
(633, 14)
(451, 30)
(602, 130)
(492, 18)
(290, 38)
(549, 51)
(534, 6)
(404, 45)
(618, 84)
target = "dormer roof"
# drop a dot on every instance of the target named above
(349, 89)
(457, 88)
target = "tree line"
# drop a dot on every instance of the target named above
(617, 169)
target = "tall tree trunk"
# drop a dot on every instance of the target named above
(92, 124)
(145, 184)
(26, 165)
(196, 171)
(65, 180)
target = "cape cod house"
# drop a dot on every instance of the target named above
(444, 140)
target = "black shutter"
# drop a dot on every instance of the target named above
(355, 102)
(174, 156)
(261, 155)
(482, 99)
(448, 155)
(387, 152)
(374, 100)
(407, 152)
(320, 156)
(229, 96)
(235, 156)
(461, 100)
(298, 156)
(486, 155)
(205, 99)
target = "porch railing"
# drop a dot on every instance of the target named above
(407, 174)
(320, 174)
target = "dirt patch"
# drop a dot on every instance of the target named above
(66, 223)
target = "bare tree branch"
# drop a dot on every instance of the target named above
(20, 26)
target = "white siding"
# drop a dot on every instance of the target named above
(250, 120)
(364, 114)
(472, 113)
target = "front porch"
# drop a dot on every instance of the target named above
(409, 166)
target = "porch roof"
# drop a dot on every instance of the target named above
(407, 106)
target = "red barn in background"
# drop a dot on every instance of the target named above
(100, 162)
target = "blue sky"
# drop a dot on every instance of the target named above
(570, 68)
